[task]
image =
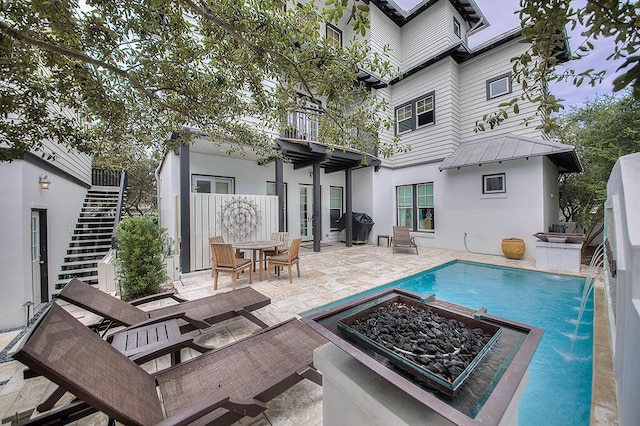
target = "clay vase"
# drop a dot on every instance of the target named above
(513, 248)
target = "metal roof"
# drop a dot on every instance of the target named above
(495, 149)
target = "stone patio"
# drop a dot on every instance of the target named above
(328, 276)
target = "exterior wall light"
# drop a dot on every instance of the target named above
(44, 181)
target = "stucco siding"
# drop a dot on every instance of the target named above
(473, 93)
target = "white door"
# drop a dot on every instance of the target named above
(306, 212)
(35, 257)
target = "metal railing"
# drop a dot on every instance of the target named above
(121, 196)
(101, 177)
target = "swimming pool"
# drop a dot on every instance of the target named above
(559, 388)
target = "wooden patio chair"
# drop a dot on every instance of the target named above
(220, 386)
(192, 314)
(279, 236)
(402, 239)
(219, 239)
(286, 259)
(224, 260)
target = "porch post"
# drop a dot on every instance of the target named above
(280, 194)
(185, 210)
(316, 218)
(348, 207)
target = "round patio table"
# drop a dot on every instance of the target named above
(258, 246)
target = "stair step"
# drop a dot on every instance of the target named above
(84, 257)
(93, 280)
(91, 236)
(90, 249)
(80, 271)
(89, 263)
(90, 243)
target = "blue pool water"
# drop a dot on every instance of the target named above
(559, 388)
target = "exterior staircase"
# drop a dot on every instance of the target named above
(92, 236)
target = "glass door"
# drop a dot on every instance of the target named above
(306, 212)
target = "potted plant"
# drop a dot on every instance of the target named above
(513, 248)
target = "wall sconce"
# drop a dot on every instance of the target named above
(44, 181)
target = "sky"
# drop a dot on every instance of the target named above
(502, 16)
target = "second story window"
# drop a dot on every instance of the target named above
(498, 86)
(456, 28)
(416, 113)
(334, 36)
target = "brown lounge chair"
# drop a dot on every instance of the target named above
(402, 239)
(221, 386)
(199, 313)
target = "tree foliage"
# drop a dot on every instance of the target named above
(602, 130)
(135, 71)
(544, 24)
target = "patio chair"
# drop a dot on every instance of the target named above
(279, 236)
(221, 386)
(402, 239)
(224, 260)
(287, 259)
(198, 313)
(219, 239)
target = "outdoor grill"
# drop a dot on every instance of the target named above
(488, 381)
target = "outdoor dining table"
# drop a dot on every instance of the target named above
(260, 247)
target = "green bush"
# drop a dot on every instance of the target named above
(141, 251)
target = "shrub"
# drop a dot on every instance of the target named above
(140, 256)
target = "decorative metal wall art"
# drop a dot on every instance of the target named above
(239, 218)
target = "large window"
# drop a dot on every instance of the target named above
(499, 86)
(416, 201)
(416, 113)
(335, 206)
(334, 36)
(205, 184)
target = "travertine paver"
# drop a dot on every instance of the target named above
(328, 276)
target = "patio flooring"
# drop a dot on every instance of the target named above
(327, 276)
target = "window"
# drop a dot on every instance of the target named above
(421, 108)
(499, 86)
(416, 201)
(334, 36)
(205, 184)
(494, 184)
(335, 206)
(456, 27)
(404, 116)
(424, 111)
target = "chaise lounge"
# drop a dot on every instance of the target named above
(199, 313)
(220, 386)
(402, 239)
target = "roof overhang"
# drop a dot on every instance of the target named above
(468, 9)
(496, 149)
(302, 153)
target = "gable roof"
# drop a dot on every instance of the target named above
(495, 149)
(468, 9)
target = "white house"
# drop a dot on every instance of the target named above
(456, 188)
(40, 204)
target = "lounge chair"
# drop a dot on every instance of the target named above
(199, 313)
(287, 259)
(221, 386)
(224, 260)
(402, 239)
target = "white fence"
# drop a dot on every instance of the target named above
(236, 217)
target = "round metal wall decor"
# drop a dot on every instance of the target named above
(239, 217)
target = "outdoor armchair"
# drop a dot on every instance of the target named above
(287, 259)
(402, 239)
(224, 260)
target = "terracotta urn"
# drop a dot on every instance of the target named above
(513, 248)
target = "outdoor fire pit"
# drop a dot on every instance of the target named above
(438, 347)
(445, 363)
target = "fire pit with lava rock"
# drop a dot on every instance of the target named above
(437, 346)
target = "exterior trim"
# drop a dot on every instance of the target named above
(31, 158)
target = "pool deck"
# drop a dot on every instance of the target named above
(328, 276)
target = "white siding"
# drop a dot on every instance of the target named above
(76, 164)
(427, 35)
(433, 142)
(473, 77)
(385, 32)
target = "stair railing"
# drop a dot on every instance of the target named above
(121, 195)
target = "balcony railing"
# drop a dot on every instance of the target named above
(302, 125)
